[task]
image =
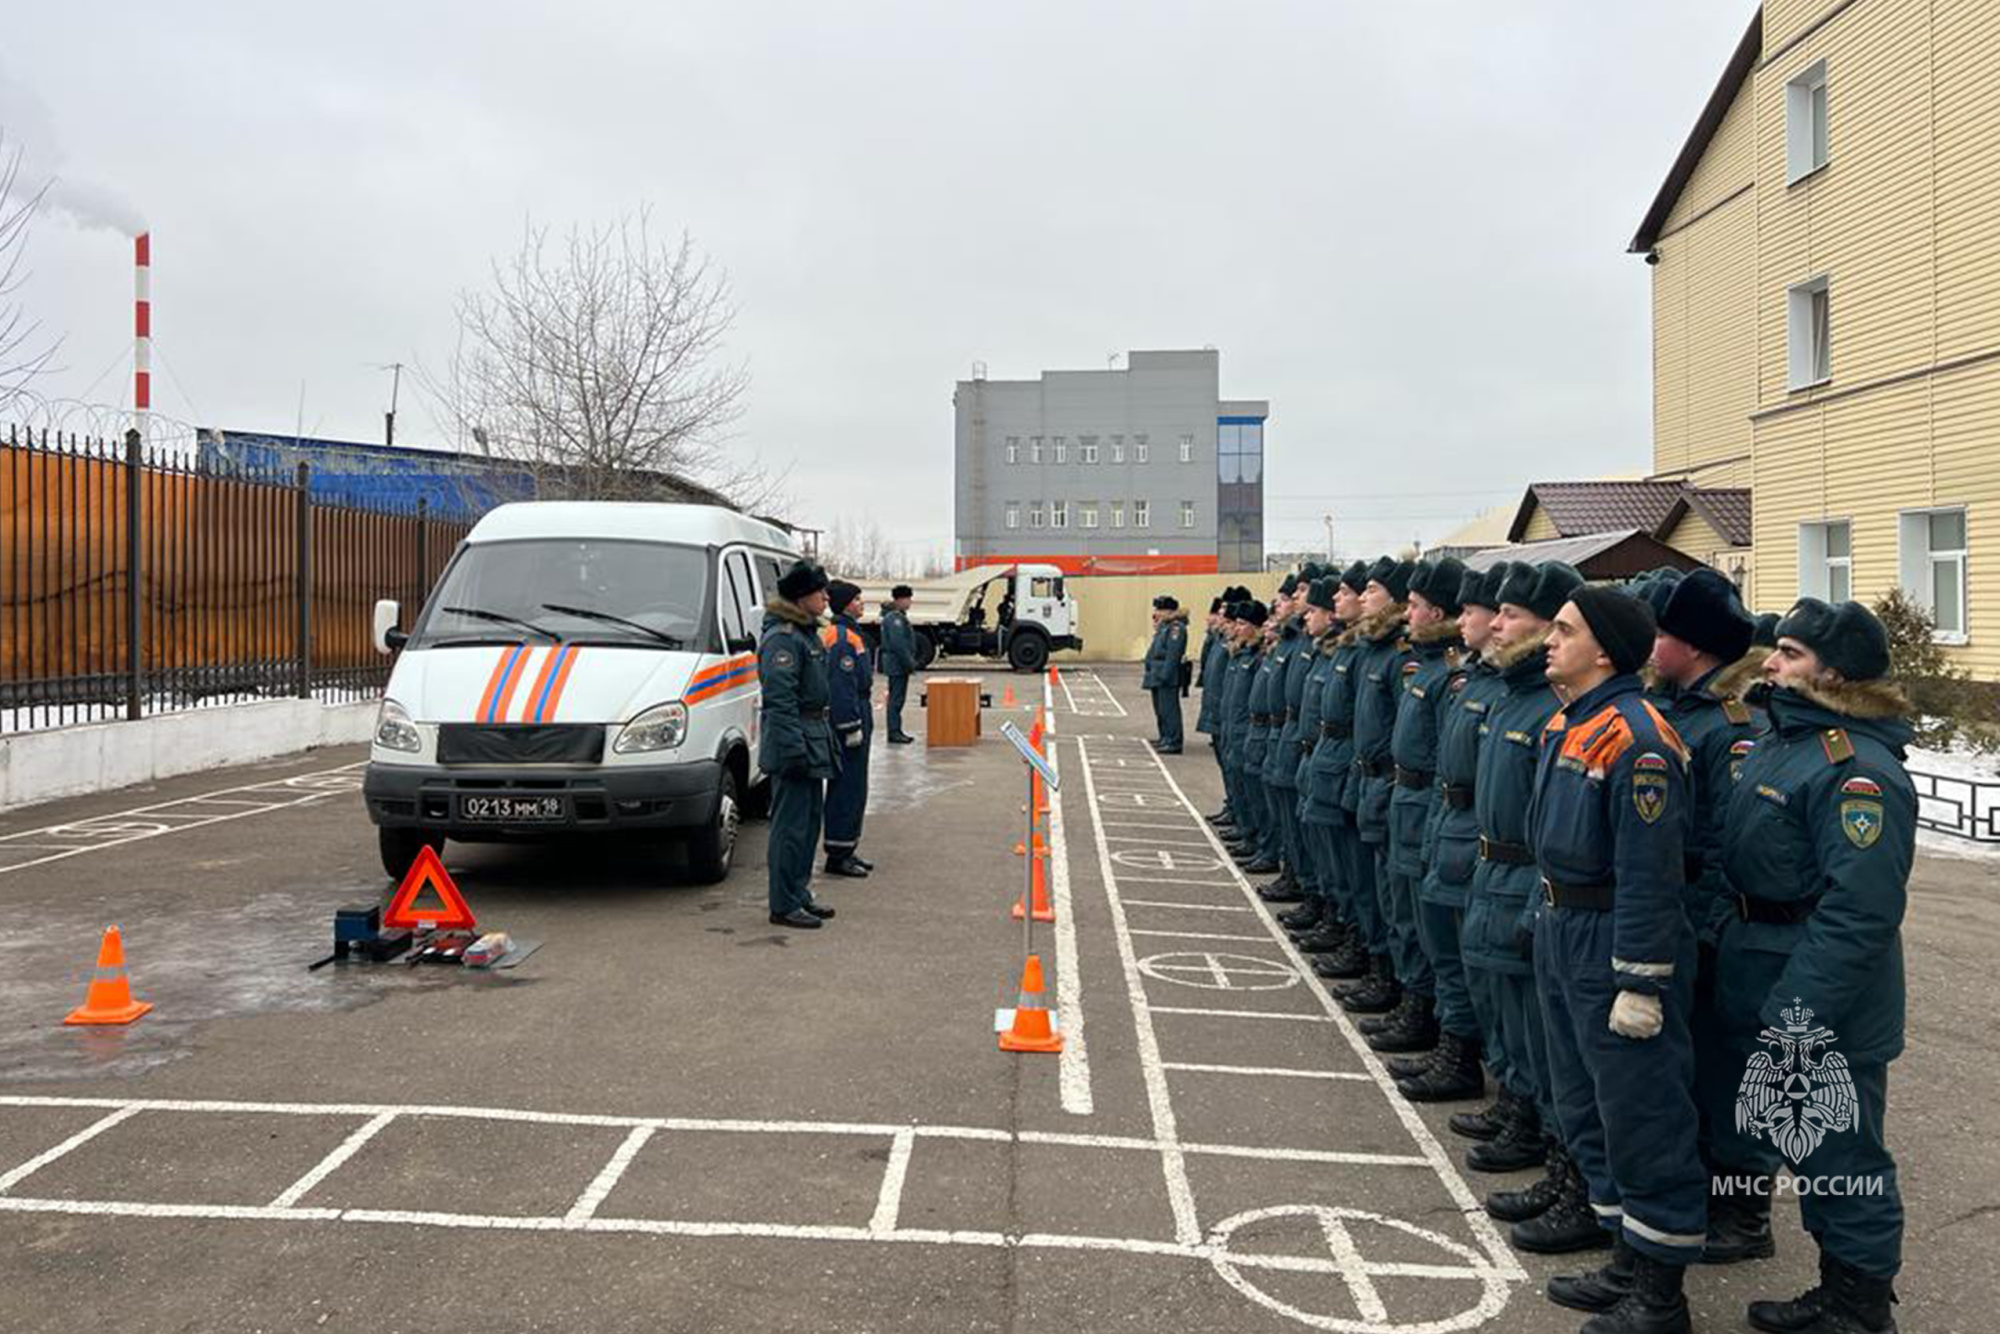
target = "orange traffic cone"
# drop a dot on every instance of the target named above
(1038, 894)
(1007, 698)
(1032, 1030)
(109, 1000)
(1055, 677)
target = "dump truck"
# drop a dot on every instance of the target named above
(1019, 614)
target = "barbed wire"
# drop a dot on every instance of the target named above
(163, 434)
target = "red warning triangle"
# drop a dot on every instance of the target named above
(427, 872)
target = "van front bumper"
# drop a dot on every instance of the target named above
(433, 797)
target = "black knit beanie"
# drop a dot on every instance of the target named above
(1621, 624)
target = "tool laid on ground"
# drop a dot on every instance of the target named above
(357, 930)
(440, 947)
(488, 950)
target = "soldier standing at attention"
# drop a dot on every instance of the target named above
(851, 685)
(1163, 671)
(796, 746)
(1818, 842)
(1214, 672)
(1614, 963)
(1378, 672)
(899, 659)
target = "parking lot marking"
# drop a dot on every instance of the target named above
(1073, 1065)
(593, 1194)
(70, 1145)
(350, 1146)
(1240, 1014)
(1204, 935)
(1191, 907)
(1278, 1071)
(889, 1201)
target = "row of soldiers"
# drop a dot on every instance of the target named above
(1639, 858)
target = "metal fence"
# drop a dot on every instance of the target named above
(134, 581)
(1966, 807)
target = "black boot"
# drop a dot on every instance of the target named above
(1845, 1301)
(1349, 961)
(1521, 1144)
(1601, 1288)
(1488, 1121)
(1655, 1305)
(1570, 1224)
(1417, 1032)
(1401, 1068)
(1306, 917)
(1453, 1077)
(1282, 890)
(1328, 938)
(1390, 1017)
(1518, 1206)
(1377, 993)
(1739, 1226)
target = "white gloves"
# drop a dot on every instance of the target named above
(1636, 1015)
(852, 740)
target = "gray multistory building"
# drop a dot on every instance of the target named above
(1143, 469)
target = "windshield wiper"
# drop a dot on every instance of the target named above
(501, 617)
(591, 614)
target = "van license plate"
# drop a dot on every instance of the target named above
(513, 810)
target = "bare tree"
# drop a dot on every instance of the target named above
(860, 550)
(595, 362)
(23, 351)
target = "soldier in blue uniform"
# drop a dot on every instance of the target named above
(1291, 662)
(795, 745)
(1208, 677)
(1323, 783)
(1818, 843)
(852, 710)
(1246, 623)
(899, 660)
(1614, 963)
(1421, 689)
(1263, 854)
(1378, 672)
(1316, 924)
(1163, 671)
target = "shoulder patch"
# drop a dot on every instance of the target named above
(781, 658)
(1410, 668)
(1743, 747)
(1458, 683)
(1861, 820)
(1736, 711)
(1649, 788)
(1861, 787)
(1650, 763)
(1839, 748)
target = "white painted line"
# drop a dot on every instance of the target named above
(1240, 1014)
(1279, 1071)
(1204, 935)
(1169, 880)
(133, 1209)
(594, 1194)
(1073, 1065)
(1109, 698)
(1191, 907)
(1143, 824)
(1157, 842)
(327, 1165)
(70, 1145)
(1180, 1195)
(889, 1201)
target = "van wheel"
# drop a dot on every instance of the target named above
(927, 650)
(757, 801)
(1028, 653)
(711, 850)
(400, 848)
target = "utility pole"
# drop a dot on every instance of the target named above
(395, 389)
(1327, 519)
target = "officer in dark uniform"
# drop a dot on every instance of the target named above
(1323, 785)
(1163, 671)
(853, 715)
(1246, 622)
(1212, 676)
(796, 745)
(1614, 963)
(1818, 842)
(1315, 924)
(1266, 693)
(899, 659)
(1378, 673)
(1281, 758)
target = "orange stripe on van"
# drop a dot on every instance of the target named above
(541, 681)
(509, 684)
(500, 666)
(548, 711)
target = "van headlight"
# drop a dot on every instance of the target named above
(661, 727)
(395, 729)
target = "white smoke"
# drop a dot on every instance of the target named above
(26, 128)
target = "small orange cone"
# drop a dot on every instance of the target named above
(1007, 698)
(109, 1000)
(1038, 895)
(1032, 1030)
(1055, 677)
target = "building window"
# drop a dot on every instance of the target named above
(1087, 448)
(1086, 513)
(1826, 561)
(1142, 514)
(1809, 322)
(1034, 514)
(1062, 448)
(1013, 515)
(1058, 514)
(1034, 449)
(1013, 449)
(1117, 449)
(1117, 514)
(1805, 123)
(1138, 449)
(1933, 561)
(1187, 449)
(1187, 514)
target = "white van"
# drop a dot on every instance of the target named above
(581, 667)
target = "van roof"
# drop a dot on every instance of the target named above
(698, 525)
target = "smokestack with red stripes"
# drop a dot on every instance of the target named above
(142, 333)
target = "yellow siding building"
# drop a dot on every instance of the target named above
(1826, 306)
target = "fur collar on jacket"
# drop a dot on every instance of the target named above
(786, 610)
(1880, 698)
(1503, 658)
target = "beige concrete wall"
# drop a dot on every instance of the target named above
(1117, 610)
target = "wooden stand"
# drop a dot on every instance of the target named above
(951, 715)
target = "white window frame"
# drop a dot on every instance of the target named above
(1187, 449)
(1086, 513)
(1086, 449)
(1062, 448)
(1117, 449)
(1919, 562)
(1809, 333)
(1034, 514)
(1187, 514)
(1013, 514)
(1142, 514)
(1808, 131)
(1816, 567)
(1139, 450)
(1013, 450)
(1058, 514)
(1117, 514)
(1034, 449)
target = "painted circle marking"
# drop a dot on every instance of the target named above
(1220, 972)
(1165, 859)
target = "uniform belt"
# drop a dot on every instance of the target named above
(1458, 796)
(1376, 768)
(1338, 731)
(1590, 898)
(1416, 779)
(1260, 720)
(1305, 747)
(1790, 912)
(1507, 854)
(812, 715)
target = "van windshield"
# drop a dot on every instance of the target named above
(571, 591)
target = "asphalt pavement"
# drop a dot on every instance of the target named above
(675, 1116)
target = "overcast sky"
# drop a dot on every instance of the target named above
(1403, 224)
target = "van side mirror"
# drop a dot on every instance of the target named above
(387, 637)
(743, 644)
